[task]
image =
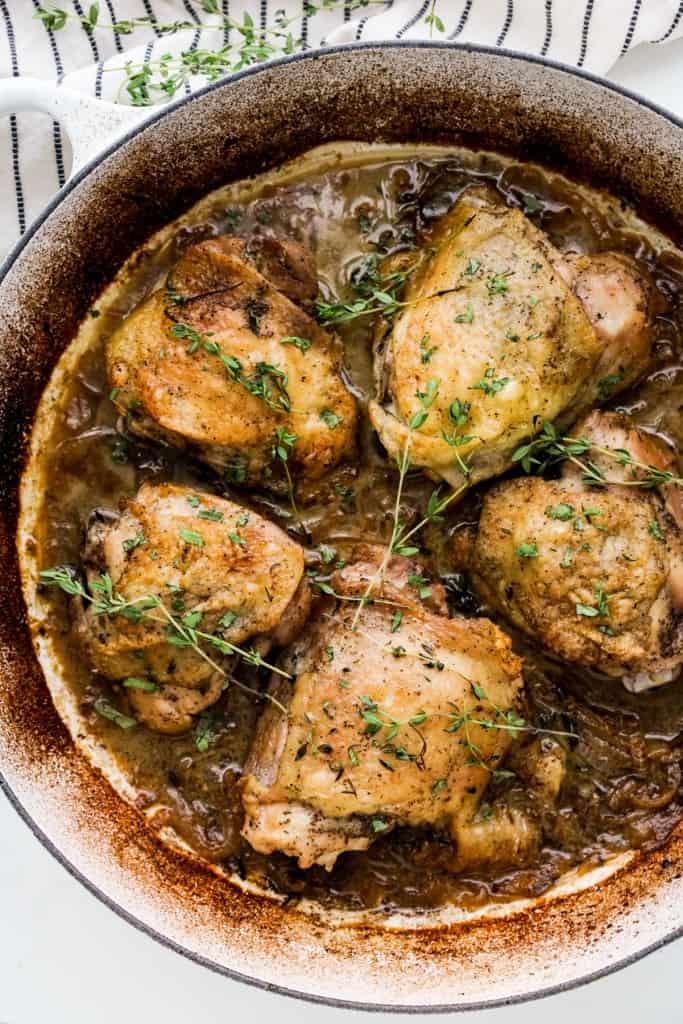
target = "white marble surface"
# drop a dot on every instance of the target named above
(66, 959)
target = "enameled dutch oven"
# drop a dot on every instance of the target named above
(152, 171)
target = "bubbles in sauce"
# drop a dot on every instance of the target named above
(624, 769)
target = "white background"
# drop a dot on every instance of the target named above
(66, 959)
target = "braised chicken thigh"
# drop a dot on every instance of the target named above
(224, 363)
(214, 567)
(400, 720)
(617, 300)
(502, 333)
(594, 573)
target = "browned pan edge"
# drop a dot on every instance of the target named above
(645, 876)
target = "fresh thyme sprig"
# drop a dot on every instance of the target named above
(181, 632)
(461, 720)
(330, 313)
(158, 80)
(549, 448)
(504, 721)
(269, 383)
(56, 18)
(377, 302)
(381, 724)
(377, 721)
(400, 533)
(435, 507)
(425, 400)
(376, 294)
(385, 727)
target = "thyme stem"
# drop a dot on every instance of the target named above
(548, 448)
(435, 512)
(379, 575)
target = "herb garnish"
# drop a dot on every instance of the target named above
(347, 494)
(497, 283)
(531, 203)
(134, 542)
(549, 448)
(119, 452)
(421, 584)
(247, 43)
(211, 514)
(191, 537)
(467, 317)
(601, 609)
(562, 511)
(400, 534)
(528, 550)
(107, 710)
(607, 385)
(331, 418)
(490, 384)
(303, 344)
(382, 301)
(267, 382)
(425, 352)
(146, 685)
(385, 730)
(184, 632)
(203, 732)
(326, 553)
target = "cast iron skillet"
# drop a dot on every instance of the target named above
(393, 92)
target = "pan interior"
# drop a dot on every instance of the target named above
(332, 193)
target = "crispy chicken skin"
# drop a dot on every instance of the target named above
(223, 392)
(596, 575)
(198, 553)
(511, 332)
(334, 774)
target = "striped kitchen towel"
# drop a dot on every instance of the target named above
(144, 51)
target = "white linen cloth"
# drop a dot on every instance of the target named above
(34, 153)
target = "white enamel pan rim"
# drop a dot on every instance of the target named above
(117, 130)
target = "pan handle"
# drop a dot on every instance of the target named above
(91, 124)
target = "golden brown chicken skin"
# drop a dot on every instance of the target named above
(365, 744)
(507, 333)
(234, 574)
(224, 358)
(594, 574)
